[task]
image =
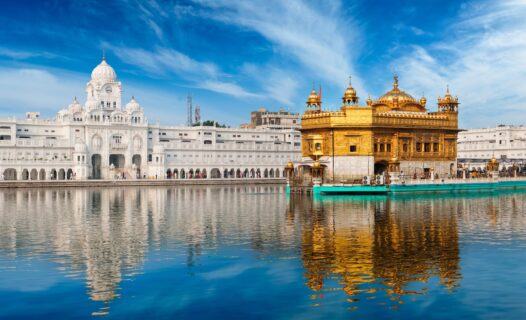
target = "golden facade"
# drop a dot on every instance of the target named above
(393, 133)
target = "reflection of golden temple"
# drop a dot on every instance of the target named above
(395, 133)
(378, 244)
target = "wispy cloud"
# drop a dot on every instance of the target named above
(316, 39)
(481, 58)
(22, 55)
(226, 88)
(169, 62)
(49, 91)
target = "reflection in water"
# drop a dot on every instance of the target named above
(104, 235)
(372, 244)
(374, 248)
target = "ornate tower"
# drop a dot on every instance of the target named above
(313, 101)
(103, 90)
(448, 103)
(349, 97)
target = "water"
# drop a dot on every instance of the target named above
(249, 252)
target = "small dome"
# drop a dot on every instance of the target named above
(81, 148)
(448, 98)
(313, 98)
(349, 96)
(75, 106)
(103, 73)
(369, 101)
(132, 106)
(423, 101)
(290, 164)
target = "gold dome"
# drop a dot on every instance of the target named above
(423, 101)
(313, 98)
(448, 98)
(349, 93)
(396, 96)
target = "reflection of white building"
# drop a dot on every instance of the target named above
(506, 143)
(101, 139)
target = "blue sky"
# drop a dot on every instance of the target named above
(236, 56)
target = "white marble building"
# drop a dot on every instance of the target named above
(103, 140)
(506, 143)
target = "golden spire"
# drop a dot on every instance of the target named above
(395, 83)
(349, 96)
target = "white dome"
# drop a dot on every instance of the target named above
(132, 106)
(75, 106)
(103, 73)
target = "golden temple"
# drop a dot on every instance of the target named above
(395, 133)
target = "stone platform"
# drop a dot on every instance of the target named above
(124, 183)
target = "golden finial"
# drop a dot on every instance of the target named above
(103, 54)
(395, 84)
(350, 78)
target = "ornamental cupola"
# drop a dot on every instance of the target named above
(448, 103)
(103, 72)
(423, 101)
(313, 101)
(349, 96)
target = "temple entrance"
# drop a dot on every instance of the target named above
(380, 167)
(95, 164)
(117, 160)
(136, 160)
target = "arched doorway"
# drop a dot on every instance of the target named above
(276, 173)
(53, 174)
(380, 167)
(197, 173)
(215, 173)
(203, 174)
(183, 174)
(42, 174)
(136, 160)
(265, 174)
(25, 174)
(10, 174)
(117, 160)
(271, 173)
(96, 160)
(245, 173)
(238, 173)
(61, 174)
(169, 174)
(176, 174)
(191, 174)
(70, 174)
(34, 174)
(225, 173)
(232, 173)
(252, 173)
(258, 173)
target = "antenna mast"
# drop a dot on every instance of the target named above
(189, 110)
(197, 114)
